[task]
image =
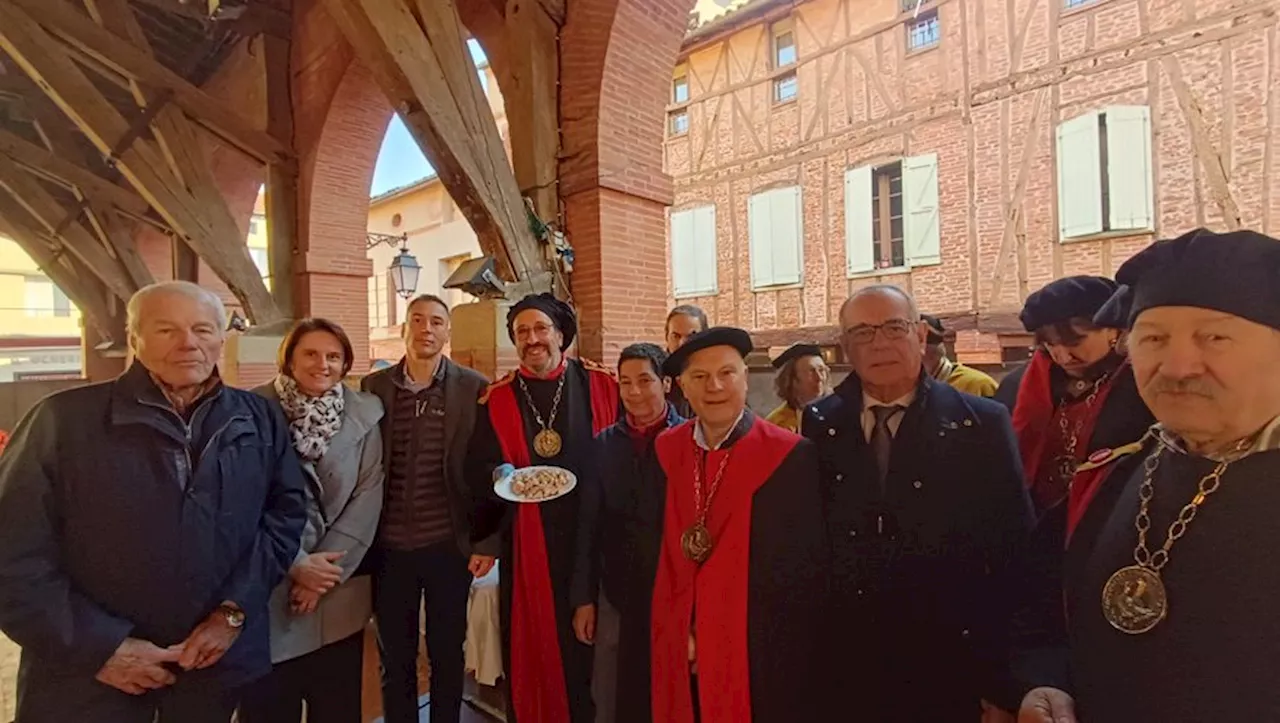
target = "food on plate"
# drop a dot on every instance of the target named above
(539, 483)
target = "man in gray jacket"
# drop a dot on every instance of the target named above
(424, 547)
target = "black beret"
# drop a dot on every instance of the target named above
(560, 313)
(715, 336)
(1065, 299)
(936, 330)
(1237, 273)
(795, 351)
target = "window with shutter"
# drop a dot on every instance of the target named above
(859, 234)
(921, 232)
(693, 252)
(1079, 177)
(776, 233)
(1128, 170)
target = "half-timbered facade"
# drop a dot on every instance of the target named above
(968, 150)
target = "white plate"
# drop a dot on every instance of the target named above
(503, 486)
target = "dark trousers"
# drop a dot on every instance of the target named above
(437, 575)
(328, 679)
(88, 701)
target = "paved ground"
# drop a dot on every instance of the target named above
(8, 677)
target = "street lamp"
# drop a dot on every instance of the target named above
(404, 267)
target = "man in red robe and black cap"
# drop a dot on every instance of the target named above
(547, 412)
(741, 587)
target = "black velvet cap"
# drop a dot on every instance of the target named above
(1065, 299)
(1236, 273)
(795, 351)
(560, 313)
(739, 339)
(936, 330)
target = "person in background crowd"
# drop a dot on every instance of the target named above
(925, 510)
(741, 583)
(1170, 577)
(625, 504)
(319, 612)
(424, 551)
(1077, 394)
(146, 521)
(682, 322)
(802, 379)
(547, 412)
(940, 367)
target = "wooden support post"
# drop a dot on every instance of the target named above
(186, 263)
(208, 229)
(422, 64)
(282, 180)
(532, 102)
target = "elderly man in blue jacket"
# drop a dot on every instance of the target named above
(146, 521)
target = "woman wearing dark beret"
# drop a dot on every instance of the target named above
(1077, 394)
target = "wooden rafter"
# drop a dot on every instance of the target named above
(116, 234)
(62, 20)
(533, 101)
(66, 172)
(63, 224)
(69, 274)
(209, 230)
(422, 64)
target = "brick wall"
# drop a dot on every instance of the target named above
(987, 100)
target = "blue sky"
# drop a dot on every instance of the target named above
(400, 162)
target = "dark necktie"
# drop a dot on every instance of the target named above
(882, 438)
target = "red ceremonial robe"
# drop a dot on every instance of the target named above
(744, 592)
(1034, 421)
(538, 691)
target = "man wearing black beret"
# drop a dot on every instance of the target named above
(740, 589)
(1170, 579)
(962, 378)
(801, 380)
(547, 412)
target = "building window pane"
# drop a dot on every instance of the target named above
(61, 304)
(1075, 3)
(784, 49)
(924, 31)
(378, 301)
(680, 89)
(886, 215)
(784, 88)
(679, 123)
(260, 260)
(38, 296)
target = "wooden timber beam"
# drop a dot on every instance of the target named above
(422, 64)
(67, 172)
(62, 20)
(116, 234)
(86, 292)
(63, 224)
(282, 202)
(141, 164)
(532, 101)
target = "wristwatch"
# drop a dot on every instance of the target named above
(232, 614)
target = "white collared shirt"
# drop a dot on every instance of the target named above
(869, 416)
(700, 437)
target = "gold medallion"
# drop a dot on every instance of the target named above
(1134, 600)
(547, 443)
(696, 543)
(1066, 468)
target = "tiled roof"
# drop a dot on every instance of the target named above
(711, 16)
(401, 190)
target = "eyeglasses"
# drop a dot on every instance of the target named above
(894, 329)
(537, 331)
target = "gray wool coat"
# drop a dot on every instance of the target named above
(344, 506)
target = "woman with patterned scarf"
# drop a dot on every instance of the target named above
(319, 612)
(619, 553)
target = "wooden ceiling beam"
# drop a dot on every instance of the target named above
(117, 54)
(66, 272)
(63, 224)
(141, 164)
(424, 67)
(67, 172)
(117, 235)
(532, 102)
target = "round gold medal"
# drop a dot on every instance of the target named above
(1134, 599)
(547, 443)
(696, 543)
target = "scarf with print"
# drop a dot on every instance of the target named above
(312, 420)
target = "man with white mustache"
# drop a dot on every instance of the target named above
(548, 412)
(1170, 580)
